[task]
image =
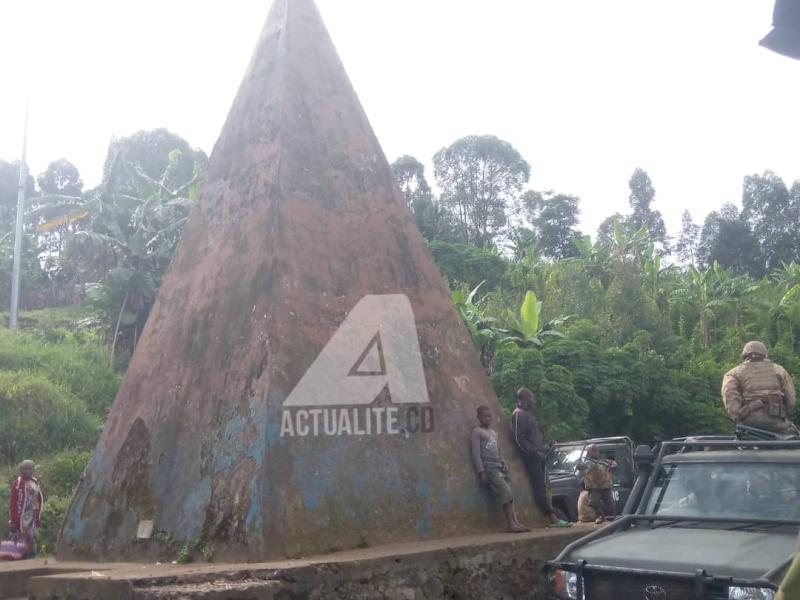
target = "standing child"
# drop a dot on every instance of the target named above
(598, 480)
(492, 468)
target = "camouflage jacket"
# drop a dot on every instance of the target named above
(596, 474)
(756, 385)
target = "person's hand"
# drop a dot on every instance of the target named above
(614, 464)
(505, 468)
(484, 478)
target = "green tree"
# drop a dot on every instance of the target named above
(410, 176)
(55, 216)
(481, 178)
(605, 231)
(151, 152)
(61, 178)
(728, 240)
(774, 215)
(643, 215)
(554, 218)
(468, 265)
(432, 219)
(686, 246)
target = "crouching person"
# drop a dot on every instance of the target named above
(586, 513)
(492, 468)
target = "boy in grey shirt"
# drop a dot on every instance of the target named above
(492, 468)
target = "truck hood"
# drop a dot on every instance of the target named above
(744, 554)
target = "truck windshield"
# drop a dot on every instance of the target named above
(564, 458)
(727, 490)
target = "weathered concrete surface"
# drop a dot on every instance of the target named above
(14, 576)
(494, 566)
(299, 221)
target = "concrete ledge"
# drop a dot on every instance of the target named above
(14, 576)
(481, 567)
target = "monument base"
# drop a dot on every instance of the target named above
(481, 567)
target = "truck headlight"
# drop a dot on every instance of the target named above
(750, 593)
(565, 582)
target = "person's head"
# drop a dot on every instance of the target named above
(593, 451)
(754, 351)
(484, 416)
(526, 399)
(26, 468)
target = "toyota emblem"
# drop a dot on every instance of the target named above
(655, 592)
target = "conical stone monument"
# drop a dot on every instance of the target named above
(304, 383)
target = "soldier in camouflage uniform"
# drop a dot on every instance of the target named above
(759, 393)
(598, 481)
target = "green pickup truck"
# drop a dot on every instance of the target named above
(709, 518)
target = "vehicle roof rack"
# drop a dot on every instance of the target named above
(702, 443)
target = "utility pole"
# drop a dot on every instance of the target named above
(15, 276)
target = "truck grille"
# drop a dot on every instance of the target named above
(619, 586)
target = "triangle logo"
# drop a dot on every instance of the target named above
(371, 361)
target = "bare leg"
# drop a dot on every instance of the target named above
(512, 522)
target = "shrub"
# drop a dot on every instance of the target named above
(53, 513)
(61, 472)
(562, 413)
(76, 360)
(38, 417)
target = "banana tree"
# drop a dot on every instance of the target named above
(785, 314)
(527, 329)
(126, 239)
(482, 328)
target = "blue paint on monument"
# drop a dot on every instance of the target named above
(190, 520)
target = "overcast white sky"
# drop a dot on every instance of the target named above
(585, 89)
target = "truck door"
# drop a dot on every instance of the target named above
(623, 474)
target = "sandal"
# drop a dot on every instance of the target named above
(560, 524)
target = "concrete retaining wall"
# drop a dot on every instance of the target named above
(485, 568)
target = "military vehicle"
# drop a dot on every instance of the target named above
(566, 482)
(709, 518)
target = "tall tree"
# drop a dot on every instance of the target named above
(60, 178)
(554, 218)
(686, 247)
(149, 153)
(728, 239)
(641, 199)
(768, 206)
(605, 231)
(480, 178)
(410, 176)
(431, 218)
(54, 214)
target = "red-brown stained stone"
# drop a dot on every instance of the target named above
(299, 220)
